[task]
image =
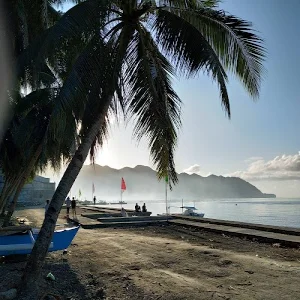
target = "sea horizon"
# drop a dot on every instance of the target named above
(267, 211)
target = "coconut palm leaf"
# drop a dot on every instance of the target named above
(71, 25)
(190, 51)
(238, 48)
(153, 102)
(189, 4)
(89, 74)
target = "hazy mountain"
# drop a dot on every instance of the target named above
(142, 184)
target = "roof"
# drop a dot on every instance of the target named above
(189, 207)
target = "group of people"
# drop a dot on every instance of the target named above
(69, 204)
(72, 204)
(138, 208)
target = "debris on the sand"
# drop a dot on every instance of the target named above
(245, 283)
(50, 276)
(276, 245)
(134, 267)
(224, 262)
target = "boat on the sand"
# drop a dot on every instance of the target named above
(21, 239)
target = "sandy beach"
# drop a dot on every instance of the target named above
(163, 262)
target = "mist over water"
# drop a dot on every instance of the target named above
(279, 212)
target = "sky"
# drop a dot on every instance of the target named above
(261, 141)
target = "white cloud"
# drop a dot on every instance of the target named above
(196, 169)
(284, 167)
(254, 158)
(193, 169)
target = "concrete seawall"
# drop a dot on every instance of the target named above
(103, 218)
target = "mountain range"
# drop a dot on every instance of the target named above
(142, 184)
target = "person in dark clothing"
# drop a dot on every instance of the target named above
(136, 207)
(47, 206)
(73, 205)
(68, 204)
(94, 199)
(144, 209)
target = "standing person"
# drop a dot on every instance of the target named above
(47, 205)
(68, 204)
(94, 199)
(73, 205)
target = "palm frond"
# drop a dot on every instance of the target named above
(101, 137)
(153, 102)
(70, 25)
(189, 50)
(239, 49)
(53, 15)
(188, 4)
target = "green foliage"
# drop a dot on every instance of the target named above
(128, 52)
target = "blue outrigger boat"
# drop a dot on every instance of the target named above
(16, 242)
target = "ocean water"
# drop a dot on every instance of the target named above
(278, 211)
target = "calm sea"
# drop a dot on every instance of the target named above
(279, 211)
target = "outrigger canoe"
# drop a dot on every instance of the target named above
(15, 242)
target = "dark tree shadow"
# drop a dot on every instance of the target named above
(68, 284)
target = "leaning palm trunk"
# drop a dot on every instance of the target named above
(6, 196)
(13, 204)
(4, 192)
(7, 190)
(22, 181)
(39, 252)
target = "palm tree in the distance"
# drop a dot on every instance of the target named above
(142, 45)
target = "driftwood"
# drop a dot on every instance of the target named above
(14, 229)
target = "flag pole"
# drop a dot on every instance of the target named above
(121, 197)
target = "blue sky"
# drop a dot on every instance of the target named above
(248, 144)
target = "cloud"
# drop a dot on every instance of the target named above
(196, 169)
(254, 158)
(284, 167)
(193, 169)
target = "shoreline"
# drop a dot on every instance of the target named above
(164, 262)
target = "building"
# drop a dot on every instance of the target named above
(36, 192)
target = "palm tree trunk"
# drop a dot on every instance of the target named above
(13, 204)
(6, 192)
(24, 176)
(5, 202)
(36, 260)
(5, 206)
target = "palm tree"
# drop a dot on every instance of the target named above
(29, 20)
(141, 45)
(27, 148)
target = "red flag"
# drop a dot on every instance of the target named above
(123, 185)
